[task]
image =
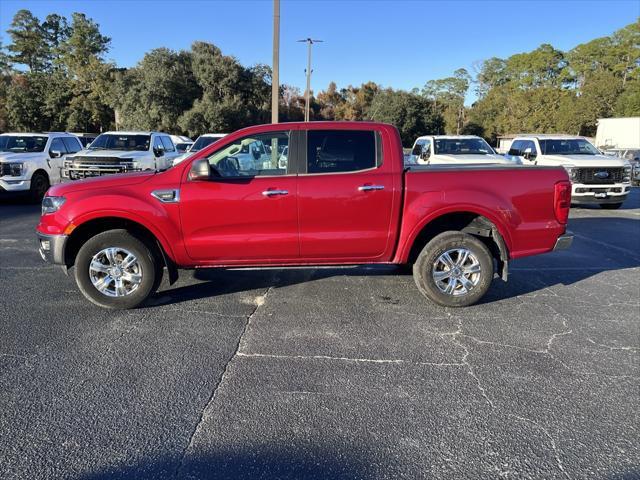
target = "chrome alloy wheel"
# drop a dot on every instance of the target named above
(115, 272)
(456, 271)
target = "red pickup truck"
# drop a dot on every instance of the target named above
(319, 193)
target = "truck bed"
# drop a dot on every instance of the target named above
(518, 199)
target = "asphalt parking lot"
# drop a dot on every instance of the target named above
(326, 373)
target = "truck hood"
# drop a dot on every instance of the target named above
(586, 160)
(20, 157)
(97, 183)
(470, 159)
(111, 153)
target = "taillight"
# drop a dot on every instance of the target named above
(562, 201)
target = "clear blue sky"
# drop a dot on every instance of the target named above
(400, 44)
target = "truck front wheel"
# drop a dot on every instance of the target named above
(39, 186)
(116, 270)
(454, 269)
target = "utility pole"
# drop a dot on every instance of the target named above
(275, 79)
(307, 93)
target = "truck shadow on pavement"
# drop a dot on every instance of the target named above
(239, 465)
(587, 257)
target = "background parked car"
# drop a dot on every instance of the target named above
(183, 147)
(86, 138)
(119, 152)
(595, 178)
(453, 149)
(31, 162)
(202, 141)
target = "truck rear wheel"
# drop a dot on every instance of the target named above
(116, 270)
(454, 269)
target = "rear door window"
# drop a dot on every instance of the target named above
(336, 151)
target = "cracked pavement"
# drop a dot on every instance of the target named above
(326, 372)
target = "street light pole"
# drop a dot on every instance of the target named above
(307, 93)
(275, 80)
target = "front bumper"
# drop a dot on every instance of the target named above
(583, 194)
(14, 185)
(563, 241)
(52, 248)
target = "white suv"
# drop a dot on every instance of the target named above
(595, 178)
(453, 149)
(31, 162)
(120, 152)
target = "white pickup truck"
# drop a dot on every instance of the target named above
(31, 162)
(595, 178)
(119, 152)
(202, 141)
(453, 150)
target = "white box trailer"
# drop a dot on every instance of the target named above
(618, 133)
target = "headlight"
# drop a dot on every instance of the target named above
(16, 169)
(627, 173)
(570, 171)
(52, 204)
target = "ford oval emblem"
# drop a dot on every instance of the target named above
(601, 175)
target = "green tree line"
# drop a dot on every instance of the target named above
(54, 76)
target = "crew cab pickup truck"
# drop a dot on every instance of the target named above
(453, 149)
(119, 152)
(31, 162)
(340, 196)
(596, 178)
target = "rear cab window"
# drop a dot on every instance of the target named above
(341, 151)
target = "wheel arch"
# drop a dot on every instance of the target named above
(467, 221)
(91, 227)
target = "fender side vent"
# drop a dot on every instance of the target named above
(167, 196)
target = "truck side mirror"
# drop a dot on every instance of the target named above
(200, 170)
(426, 153)
(55, 153)
(528, 155)
(158, 152)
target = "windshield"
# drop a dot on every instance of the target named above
(461, 146)
(571, 146)
(121, 142)
(26, 144)
(202, 142)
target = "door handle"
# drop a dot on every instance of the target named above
(271, 193)
(368, 188)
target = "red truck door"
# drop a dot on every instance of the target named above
(346, 193)
(248, 213)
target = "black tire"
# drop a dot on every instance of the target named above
(423, 269)
(610, 206)
(120, 239)
(39, 186)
